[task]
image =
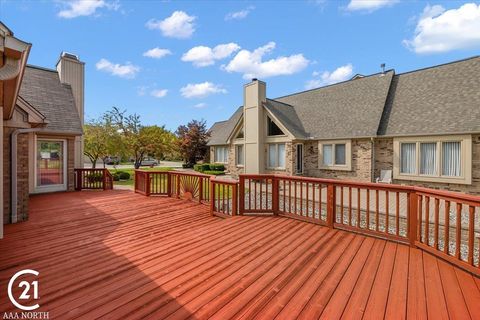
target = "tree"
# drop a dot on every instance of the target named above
(99, 140)
(139, 140)
(192, 141)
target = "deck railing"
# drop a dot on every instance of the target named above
(443, 223)
(93, 179)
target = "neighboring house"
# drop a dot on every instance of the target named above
(422, 125)
(41, 127)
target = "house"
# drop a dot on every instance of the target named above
(41, 127)
(423, 125)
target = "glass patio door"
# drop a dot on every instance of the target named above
(299, 162)
(50, 165)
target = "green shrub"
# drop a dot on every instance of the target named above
(122, 175)
(115, 176)
(217, 167)
(214, 172)
(201, 167)
(94, 177)
(187, 166)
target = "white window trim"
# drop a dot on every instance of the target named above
(348, 155)
(215, 154)
(466, 159)
(55, 187)
(236, 158)
(276, 155)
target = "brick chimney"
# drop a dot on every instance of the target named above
(254, 95)
(72, 71)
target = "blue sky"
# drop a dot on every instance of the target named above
(205, 51)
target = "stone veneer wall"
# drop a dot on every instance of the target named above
(22, 177)
(361, 162)
(384, 160)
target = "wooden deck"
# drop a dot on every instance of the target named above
(119, 255)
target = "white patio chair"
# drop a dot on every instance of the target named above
(385, 176)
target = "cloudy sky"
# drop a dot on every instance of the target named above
(172, 61)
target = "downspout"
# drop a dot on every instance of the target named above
(13, 163)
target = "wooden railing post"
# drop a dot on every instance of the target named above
(241, 192)
(79, 179)
(275, 195)
(212, 197)
(178, 186)
(200, 189)
(169, 184)
(147, 184)
(331, 205)
(234, 199)
(104, 179)
(412, 218)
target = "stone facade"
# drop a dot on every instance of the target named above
(361, 162)
(384, 160)
(362, 157)
(22, 176)
(24, 163)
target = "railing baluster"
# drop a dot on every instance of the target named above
(377, 210)
(458, 233)
(446, 248)
(471, 234)
(358, 207)
(397, 213)
(342, 217)
(436, 223)
(427, 220)
(368, 209)
(387, 212)
(349, 206)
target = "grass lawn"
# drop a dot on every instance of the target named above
(130, 182)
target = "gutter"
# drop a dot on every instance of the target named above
(13, 163)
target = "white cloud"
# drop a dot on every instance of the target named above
(440, 30)
(251, 65)
(200, 105)
(127, 70)
(369, 5)
(202, 56)
(340, 74)
(201, 90)
(159, 93)
(157, 53)
(178, 25)
(78, 8)
(239, 15)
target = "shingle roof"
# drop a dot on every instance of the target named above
(287, 115)
(345, 110)
(436, 100)
(44, 91)
(220, 131)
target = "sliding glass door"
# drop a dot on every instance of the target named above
(50, 165)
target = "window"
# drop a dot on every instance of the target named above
(276, 155)
(428, 158)
(335, 155)
(299, 166)
(327, 154)
(340, 154)
(435, 159)
(409, 151)
(240, 134)
(273, 129)
(221, 154)
(239, 157)
(451, 159)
